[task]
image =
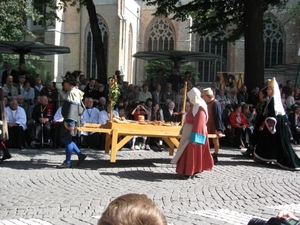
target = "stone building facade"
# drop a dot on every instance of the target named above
(128, 26)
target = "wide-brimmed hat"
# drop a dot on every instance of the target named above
(207, 91)
(69, 78)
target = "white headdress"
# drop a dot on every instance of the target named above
(278, 107)
(195, 98)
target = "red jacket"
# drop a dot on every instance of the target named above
(233, 121)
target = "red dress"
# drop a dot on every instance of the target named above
(195, 157)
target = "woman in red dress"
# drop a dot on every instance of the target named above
(193, 153)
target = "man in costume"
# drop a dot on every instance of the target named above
(193, 153)
(214, 123)
(16, 121)
(71, 111)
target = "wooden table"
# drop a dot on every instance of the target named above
(118, 134)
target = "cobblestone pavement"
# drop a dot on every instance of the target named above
(33, 191)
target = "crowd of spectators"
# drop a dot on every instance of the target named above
(159, 100)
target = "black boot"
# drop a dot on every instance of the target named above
(249, 151)
(6, 154)
(215, 157)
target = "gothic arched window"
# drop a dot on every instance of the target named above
(273, 42)
(208, 69)
(91, 63)
(161, 36)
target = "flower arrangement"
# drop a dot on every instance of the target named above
(114, 91)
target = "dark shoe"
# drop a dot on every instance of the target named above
(293, 141)
(6, 156)
(197, 175)
(81, 158)
(215, 157)
(64, 166)
(185, 177)
(249, 151)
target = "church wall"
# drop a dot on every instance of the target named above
(128, 23)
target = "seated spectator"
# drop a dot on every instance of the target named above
(99, 93)
(214, 88)
(294, 120)
(157, 95)
(222, 97)
(102, 104)
(22, 71)
(170, 113)
(170, 94)
(90, 88)
(9, 90)
(283, 100)
(297, 95)
(131, 95)
(57, 124)
(144, 94)
(43, 115)
(52, 94)
(242, 95)
(156, 114)
(253, 97)
(103, 118)
(16, 121)
(148, 104)
(289, 101)
(240, 128)
(9, 72)
(139, 110)
(231, 90)
(90, 115)
(226, 111)
(105, 115)
(21, 83)
(250, 116)
(28, 94)
(38, 86)
(132, 209)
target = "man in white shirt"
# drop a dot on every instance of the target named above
(105, 114)
(16, 121)
(90, 115)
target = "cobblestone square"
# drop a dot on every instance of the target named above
(33, 191)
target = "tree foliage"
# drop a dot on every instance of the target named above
(15, 14)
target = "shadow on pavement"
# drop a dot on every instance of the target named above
(143, 175)
(93, 164)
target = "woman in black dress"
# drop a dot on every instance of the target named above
(273, 144)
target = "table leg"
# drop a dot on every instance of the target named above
(170, 144)
(107, 143)
(114, 142)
